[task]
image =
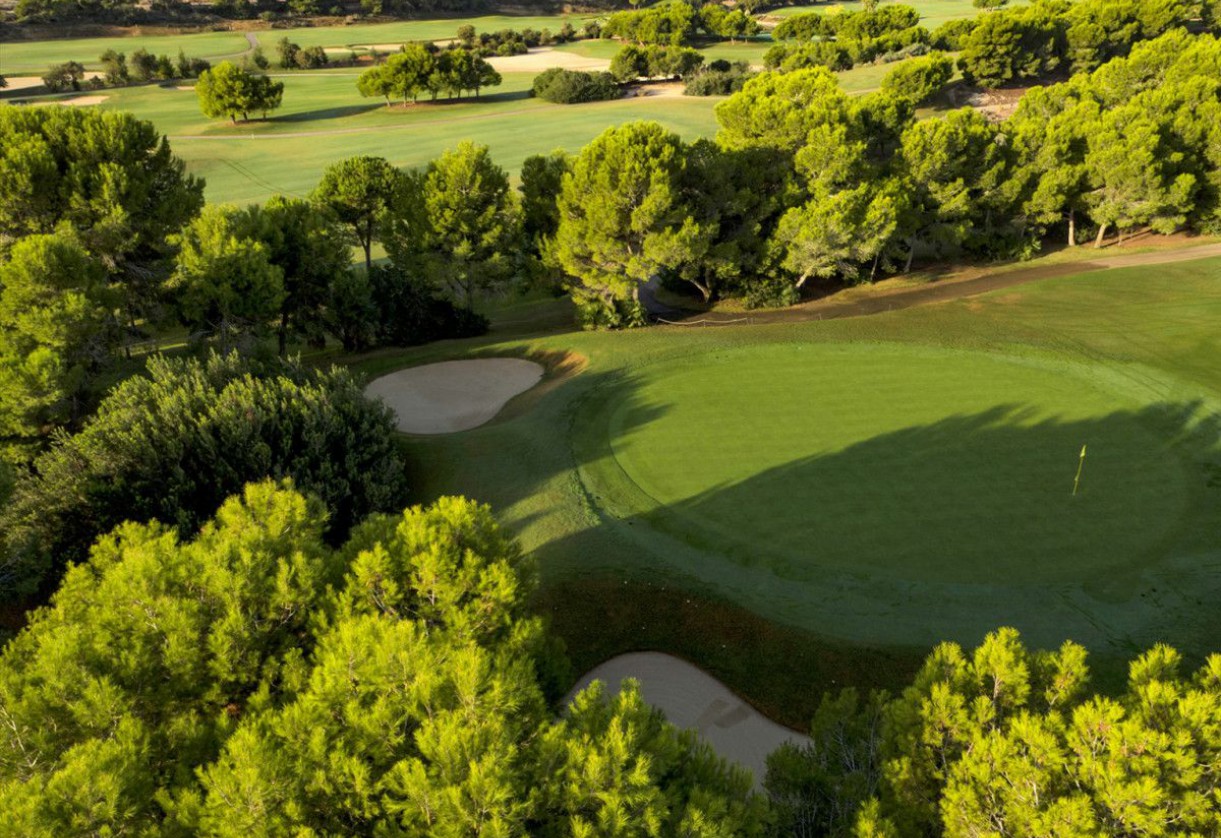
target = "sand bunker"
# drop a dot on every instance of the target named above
(453, 395)
(656, 91)
(544, 58)
(691, 698)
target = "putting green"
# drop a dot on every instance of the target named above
(898, 462)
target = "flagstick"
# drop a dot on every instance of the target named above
(1080, 466)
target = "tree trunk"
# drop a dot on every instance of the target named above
(1072, 228)
(873, 273)
(1102, 231)
(911, 254)
(283, 333)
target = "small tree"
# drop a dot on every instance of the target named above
(621, 218)
(115, 67)
(55, 332)
(288, 53)
(143, 65)
(65, 77)
(229, 91)
(225, 284)
(471, 223)
(360, 190)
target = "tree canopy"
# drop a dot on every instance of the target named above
(255, 680)
(171, 446)
(228, 91)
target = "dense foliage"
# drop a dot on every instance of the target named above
(171, 446)
(1006, 741)
(569, 87)
(418, 69)
(254, 680)
(228, 91)
(653, 62)
(91, 200)
(1028, 42)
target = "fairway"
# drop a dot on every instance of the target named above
(884, 460)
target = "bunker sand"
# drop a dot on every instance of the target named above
(691, 698)
(453, 395)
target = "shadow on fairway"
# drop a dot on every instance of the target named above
(948, 530)
(968, 500)
(327, 113)
(516, 457)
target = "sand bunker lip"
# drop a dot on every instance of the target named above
(453, 395)
(691, 698)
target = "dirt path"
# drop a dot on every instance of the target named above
(691, 698)
(937, 292)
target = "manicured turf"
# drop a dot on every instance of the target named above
(896, 461)
(874, 484)
(324, 120)
(32, 58)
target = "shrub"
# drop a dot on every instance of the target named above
(566, 87)
(720, 79)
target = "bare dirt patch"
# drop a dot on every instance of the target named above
(454, 395)
(693, 699)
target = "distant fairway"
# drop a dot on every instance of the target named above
(930, 466)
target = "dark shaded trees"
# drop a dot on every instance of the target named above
(174, 445)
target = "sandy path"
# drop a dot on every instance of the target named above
(691, 698)
(544, 58)
(453, 395)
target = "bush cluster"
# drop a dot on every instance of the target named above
(719, 78)
(567, 87)
(653, 62)
(119, 70)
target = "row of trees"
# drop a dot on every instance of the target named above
(418, 69)
(678, 23)
(804, 181)
(653, 62)
(512, 42)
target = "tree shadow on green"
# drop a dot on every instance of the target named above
(946, 531)
(973, 499)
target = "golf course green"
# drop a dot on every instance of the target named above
(884, 460)
(840, 495)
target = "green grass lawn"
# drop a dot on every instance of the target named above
(826, 500)
(32, 58)
(325, 120)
